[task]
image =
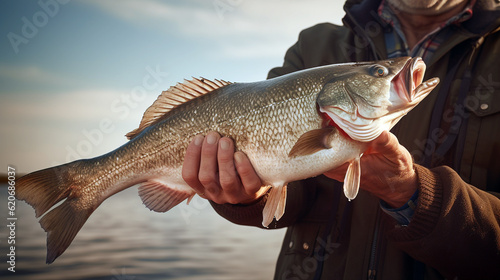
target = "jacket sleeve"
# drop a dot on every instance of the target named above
(455, 226)
(303, 197)
(293, 62)
(247, 215)
(314, 48)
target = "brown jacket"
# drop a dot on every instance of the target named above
(455, 230)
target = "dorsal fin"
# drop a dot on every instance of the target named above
(175, 96)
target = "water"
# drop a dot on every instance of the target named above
(123, 240)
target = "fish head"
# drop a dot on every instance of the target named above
(364, 99)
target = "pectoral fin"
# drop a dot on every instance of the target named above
(275, 205)
(312, 142)
(352, 177)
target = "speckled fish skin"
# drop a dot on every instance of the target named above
(266, 119)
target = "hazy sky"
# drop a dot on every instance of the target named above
(76, 76)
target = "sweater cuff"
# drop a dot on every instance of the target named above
(428, 210)
(403, 214)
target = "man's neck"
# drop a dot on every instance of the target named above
(416, 27)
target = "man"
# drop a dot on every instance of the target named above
(429, 206)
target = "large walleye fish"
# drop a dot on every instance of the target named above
(291, 127)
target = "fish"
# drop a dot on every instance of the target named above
(291, 127)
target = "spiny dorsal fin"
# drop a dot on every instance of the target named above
(175, 96)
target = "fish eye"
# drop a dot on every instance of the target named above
(380, 71)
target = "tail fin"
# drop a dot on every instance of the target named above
(45, 188)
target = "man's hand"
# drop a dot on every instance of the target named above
(386, 171)
(216, 172)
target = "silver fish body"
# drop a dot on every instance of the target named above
(291, 127)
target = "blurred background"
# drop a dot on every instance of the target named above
(76, 76)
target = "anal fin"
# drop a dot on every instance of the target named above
(275, 205)
(159, 197)
(352, 178)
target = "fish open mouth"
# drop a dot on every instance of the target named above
(407, 89)
(408, 83)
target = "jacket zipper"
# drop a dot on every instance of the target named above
(372, 267)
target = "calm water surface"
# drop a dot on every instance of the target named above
(123, 240)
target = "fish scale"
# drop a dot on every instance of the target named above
(292, 127)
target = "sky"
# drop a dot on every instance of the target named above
(76, 76)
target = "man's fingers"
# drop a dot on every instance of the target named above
(250, 180)
(385, 147)
(191, 166)
(208, 172)
(338, 173)
(215, 171)
(228, 178)
(386, 143)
